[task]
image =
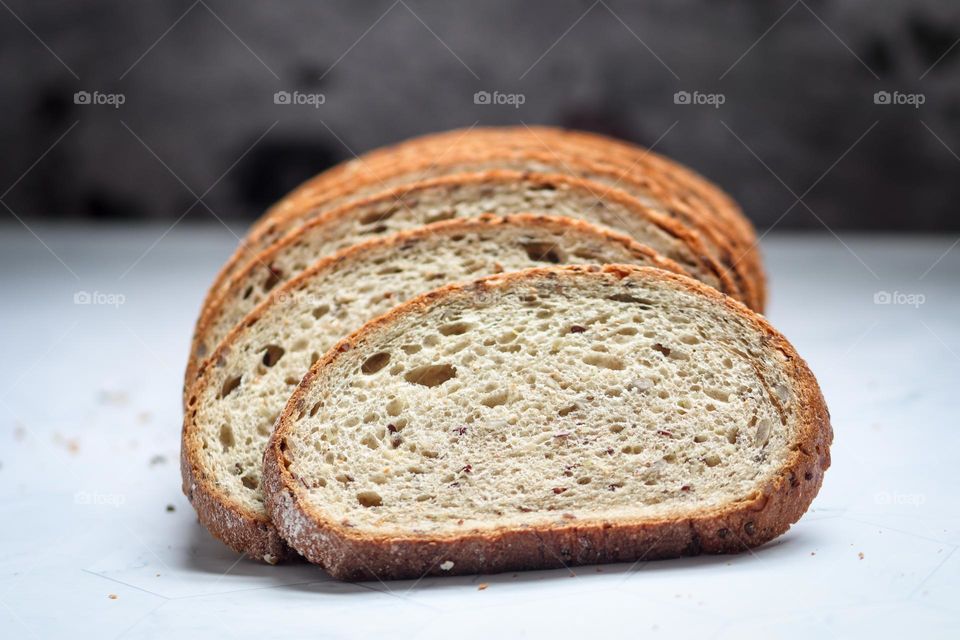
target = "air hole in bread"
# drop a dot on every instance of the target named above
(375, 362)
(626, 297)
(369, 499)
(496, 399)
(226, 437)
(543, 186)
(247, 292)
(604, 361)
(717, 394)
(272, 354)
(394, 407)
(455, 329)
(229, 385)
(567, 410)
(322, 310)
(543, 252)
(444, 214)
(273, 279)
(250, 482)
(763, 433)
(378, 216)
(432, 375)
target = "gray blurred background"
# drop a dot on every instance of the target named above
(134, 111)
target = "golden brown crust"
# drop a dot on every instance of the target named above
(254, 534)
(216, 301)
(751, 522)
(242, 532)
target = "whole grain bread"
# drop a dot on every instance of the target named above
(519, 152)
(546, 418)
(690, 193)
(456, 196)
(244, 385)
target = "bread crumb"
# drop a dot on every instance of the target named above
(113, 397)
(72, 445)
(171, 508)
(860, 555)
(112, 596)
(447, 565)
(482, 586)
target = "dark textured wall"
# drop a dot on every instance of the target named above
(798, 116)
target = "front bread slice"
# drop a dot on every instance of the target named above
(246, 382)
(551, 417)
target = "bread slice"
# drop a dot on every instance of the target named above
(651, 188)
(244, 385)
(551, 417)
(458, 196)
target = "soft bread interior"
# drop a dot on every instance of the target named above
(474, 195)
(249, 379)
(578, 397)
(605, 177)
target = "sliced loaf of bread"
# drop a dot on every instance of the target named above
(691, 194)
(457, 196)
(546, 418)
(246, 382)
(648, 188)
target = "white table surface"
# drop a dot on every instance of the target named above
(89, 439)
